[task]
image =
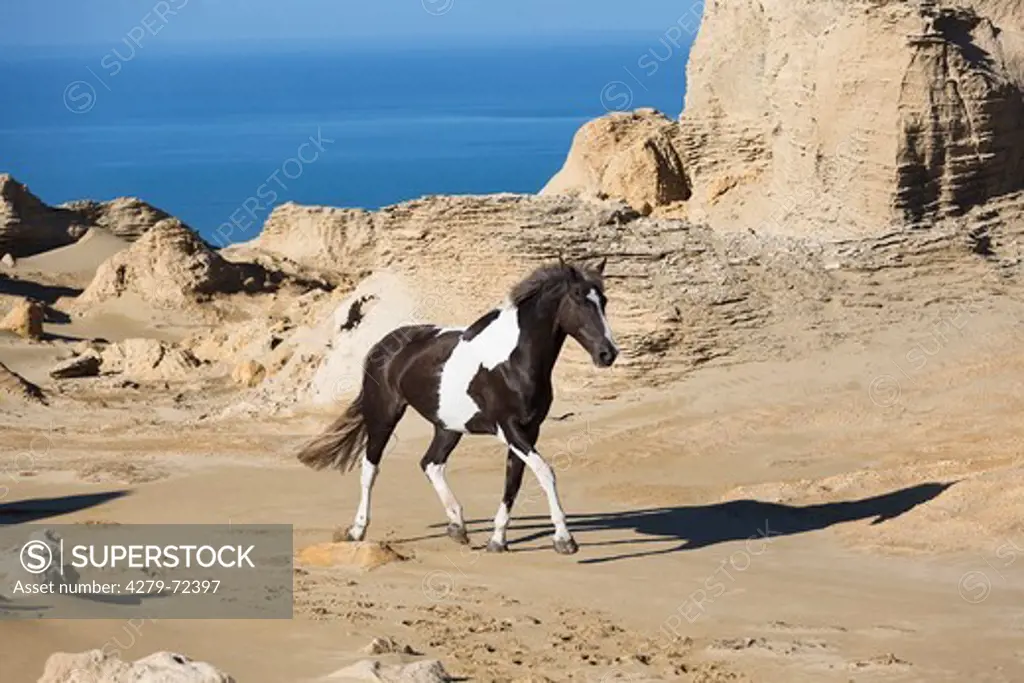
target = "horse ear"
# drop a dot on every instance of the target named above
(567, 267)
(599, 268)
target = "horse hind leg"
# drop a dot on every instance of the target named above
(382, 416)
(433, 464)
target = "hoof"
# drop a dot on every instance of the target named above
(458, 534)
(495, 547)
(566, 546)
(350, 534)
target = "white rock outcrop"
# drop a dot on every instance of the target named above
(95, 666)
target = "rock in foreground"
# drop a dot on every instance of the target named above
(161, 667)
(361, 555)
(430, 671)
(25, 319)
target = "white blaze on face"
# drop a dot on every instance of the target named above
(593, 297)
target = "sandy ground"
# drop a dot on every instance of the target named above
(844, 517)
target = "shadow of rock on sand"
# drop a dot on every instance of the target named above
(699, 526)
(33, 509)
(28, 289)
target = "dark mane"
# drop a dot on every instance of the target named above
(552, 280)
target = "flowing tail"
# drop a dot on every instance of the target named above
(340, 443)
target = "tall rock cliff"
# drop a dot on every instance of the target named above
(848, 118)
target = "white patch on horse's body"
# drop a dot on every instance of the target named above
(492, 346)
(451, 505)
(592, 296)
(443, 330)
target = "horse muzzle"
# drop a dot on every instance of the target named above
(605, 356)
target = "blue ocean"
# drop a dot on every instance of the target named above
(207, 135)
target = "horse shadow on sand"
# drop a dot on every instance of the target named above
(700, 526)
(36, 509)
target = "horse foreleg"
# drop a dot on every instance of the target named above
(519, 443)
(514, 466)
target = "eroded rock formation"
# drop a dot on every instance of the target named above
(28, 226)
(126, 217)
(631, 156)
(316, 239)
(837, 119)
(170, 266)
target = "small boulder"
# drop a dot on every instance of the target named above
(84, 365)
(25, 319)
(388, 646)
(149, 360)
(7, 261)
(14, 387)
(248, 373)
(429, 671)
(358, 554)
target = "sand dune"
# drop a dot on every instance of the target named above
(80, 259)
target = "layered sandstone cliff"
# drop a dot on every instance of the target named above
(843, 118)
(29, 226)
(126, 217)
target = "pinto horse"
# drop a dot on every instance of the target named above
(493, 377)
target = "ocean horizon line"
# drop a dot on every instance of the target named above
(301, 46)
